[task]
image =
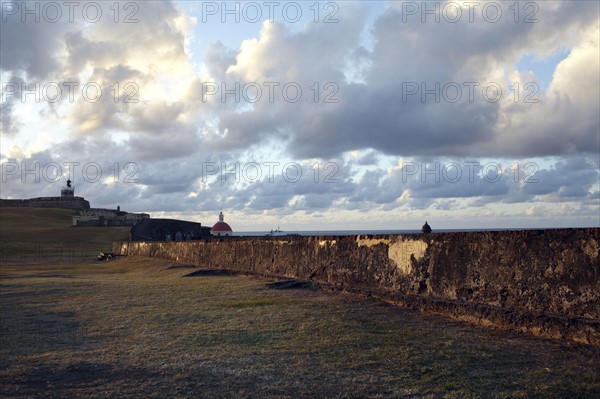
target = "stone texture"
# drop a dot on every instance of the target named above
(77, 203)
(546, 282)
(156, 230)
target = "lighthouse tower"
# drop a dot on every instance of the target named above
(67, 191)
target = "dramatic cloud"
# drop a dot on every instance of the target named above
(388, 114)
(427, 92)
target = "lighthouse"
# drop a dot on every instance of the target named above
(67, 191)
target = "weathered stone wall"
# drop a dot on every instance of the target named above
(77, 203)
(98, 217)
(157, 229)
(546, 282)
(113, 214)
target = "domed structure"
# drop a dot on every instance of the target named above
(426, 228)
(221, 228)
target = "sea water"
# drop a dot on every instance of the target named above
(356, 232)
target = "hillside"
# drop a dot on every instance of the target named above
(27, 230)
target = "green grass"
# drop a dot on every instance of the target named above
(254, 302)
(134, 327)
(37, 225)
(30, 235)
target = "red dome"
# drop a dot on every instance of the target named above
(222, 227)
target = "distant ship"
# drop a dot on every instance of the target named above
(277, 232)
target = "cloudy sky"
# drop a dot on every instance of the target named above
(308, 115)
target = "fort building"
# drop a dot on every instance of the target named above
(143, 228)
(168, 230)
(67, 200)
(86, 217)
(99, 217)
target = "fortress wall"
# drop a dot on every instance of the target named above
(14, 203)
(99, 212)
(77, 203)
(546, 282)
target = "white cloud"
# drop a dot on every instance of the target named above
(172, 131)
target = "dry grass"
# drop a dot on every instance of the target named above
(42, 235)
(138, 328)
(135, 327)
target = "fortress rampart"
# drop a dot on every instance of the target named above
(545, 282)
(99, 217)
(77, 203)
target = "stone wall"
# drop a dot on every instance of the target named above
(158, 229)
(113, 214)
(77, 203)
(546, 282)
(100, 212)
(107, 218)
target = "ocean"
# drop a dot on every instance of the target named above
(357, 232)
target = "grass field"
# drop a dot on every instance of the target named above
(34, 235)
(137, 327)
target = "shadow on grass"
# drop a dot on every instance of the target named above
(212, 272)
(293, 285)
